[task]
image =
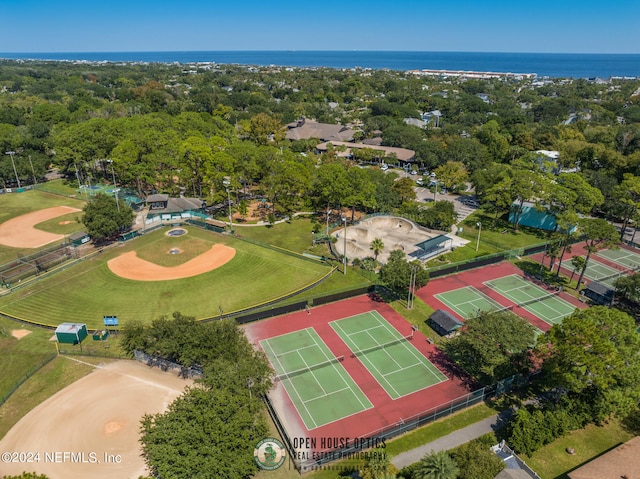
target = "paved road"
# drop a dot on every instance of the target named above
(452, 440)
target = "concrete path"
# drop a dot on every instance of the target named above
(452, 440)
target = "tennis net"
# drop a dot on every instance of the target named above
(313, 367)
(381, 346)
(530, 301)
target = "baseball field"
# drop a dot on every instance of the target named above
(85, 292)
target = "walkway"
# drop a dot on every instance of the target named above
(454, 439)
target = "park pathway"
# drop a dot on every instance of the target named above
(454, 439)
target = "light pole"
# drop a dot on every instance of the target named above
(12, 154)
(33, 171)
(328, 213)
(479, 225)
(227, 182)
(344, 256)
(115, 190)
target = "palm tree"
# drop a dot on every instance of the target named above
(376, 246)
(436, 465)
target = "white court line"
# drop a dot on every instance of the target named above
(339, 372)
(294, 390)
(420, 358)
(362, 358)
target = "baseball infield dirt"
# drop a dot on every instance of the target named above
(129, 266)
(20, 232)
(91, 428)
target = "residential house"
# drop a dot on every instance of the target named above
(305, 129)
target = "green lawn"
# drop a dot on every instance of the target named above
(20, 357)
(17, 204)
(87, 291)
(294, 235)
(55, 376)
(553, 462)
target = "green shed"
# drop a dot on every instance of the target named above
(71, 333)
(79, 238)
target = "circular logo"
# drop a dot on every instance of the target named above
(269, 454)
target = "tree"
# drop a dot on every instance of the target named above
(396, 274)
(475, 460)
(492, 346)
(578, 265)
(376, 246)
(222, 414)
(378, 466)
(627, 195)
(436, 465)
(205, 433)
(628, 288)
(598, 233)
(452, 175)
(594, 354)
(104, 219)
(404, 189)
(440, 215)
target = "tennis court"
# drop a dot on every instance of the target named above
(601, 272)
(320, 388)
(467, 302)
(389, 356)
(623, 257)
(538, 301)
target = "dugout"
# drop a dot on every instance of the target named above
(443, 322)
(79, 238)
(71, 333)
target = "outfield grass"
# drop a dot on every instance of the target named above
(55, 376)
(54, 225)
(294, 235)
(20, 356)
(13, 205)
(89, 290)
(553, 462)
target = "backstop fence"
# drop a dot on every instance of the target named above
(166, 365)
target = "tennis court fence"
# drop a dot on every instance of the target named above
(402, 426)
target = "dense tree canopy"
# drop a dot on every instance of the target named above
(210, 430)
(104, 218)
(493, 346)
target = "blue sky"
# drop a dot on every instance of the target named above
(560, 26)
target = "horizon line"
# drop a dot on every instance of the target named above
(59, 52)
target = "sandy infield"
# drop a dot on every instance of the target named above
(20, 232)
(97, 414)
(19, 333)
(129, 266)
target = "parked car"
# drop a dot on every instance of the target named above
(419, 182)
(384, 167)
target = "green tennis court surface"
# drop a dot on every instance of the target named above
(538, 301)
(623, 257)
(389, 356)
(601, 272)
(468, 302)
(319, 387)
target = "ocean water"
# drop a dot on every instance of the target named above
(563, 65)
